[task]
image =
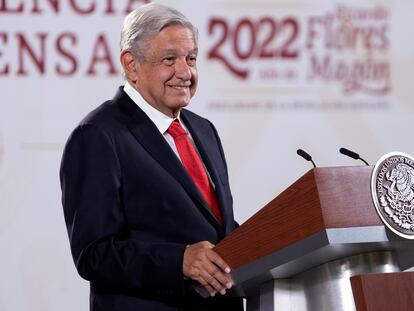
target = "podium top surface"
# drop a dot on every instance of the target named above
(323, 198)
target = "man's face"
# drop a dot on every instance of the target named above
(167, 78)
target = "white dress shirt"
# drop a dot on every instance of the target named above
(161, 121)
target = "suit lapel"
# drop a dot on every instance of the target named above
(200, 136)
(147, 134)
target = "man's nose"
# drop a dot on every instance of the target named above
(182, 70)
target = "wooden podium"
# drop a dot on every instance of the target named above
(299, 252)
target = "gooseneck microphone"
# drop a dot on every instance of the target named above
(352, 154)
(305, 155)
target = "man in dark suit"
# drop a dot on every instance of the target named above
(144, 182)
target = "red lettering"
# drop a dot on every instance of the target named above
(319, 68)
(53, 3)
(73, 64)
(312, 33)
(109, 7)
(250, 40)
(330, 34)
(101, 44)
(384, 38)
(81, 11)
(291, 26)
(25, 48)
(216, 51)
(5, 69)
(131, 5)
(5, 8)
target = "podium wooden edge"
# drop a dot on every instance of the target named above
(323, 198)
(383, 291)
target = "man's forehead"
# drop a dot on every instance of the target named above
(175, 33)
(178, 51)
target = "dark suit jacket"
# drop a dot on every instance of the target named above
(131, 208)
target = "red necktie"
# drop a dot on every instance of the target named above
(194, 166)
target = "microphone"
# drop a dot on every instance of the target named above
(352, 154)
(306, 156)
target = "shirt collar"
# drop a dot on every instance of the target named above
(161, 121)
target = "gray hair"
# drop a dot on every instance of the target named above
(145, 22)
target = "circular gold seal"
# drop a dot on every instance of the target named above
(392, 190)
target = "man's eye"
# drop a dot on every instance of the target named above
(168, 60)
(192, 60)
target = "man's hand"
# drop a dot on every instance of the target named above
(205, 266)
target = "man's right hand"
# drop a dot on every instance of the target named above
(205, 266)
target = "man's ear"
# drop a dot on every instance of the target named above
(128, 62)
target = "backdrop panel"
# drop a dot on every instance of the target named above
(274, 76)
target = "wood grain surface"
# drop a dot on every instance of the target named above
(335, 197)
(384, 291)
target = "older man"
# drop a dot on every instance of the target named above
(144, 182)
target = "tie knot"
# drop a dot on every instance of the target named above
(176, 130)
